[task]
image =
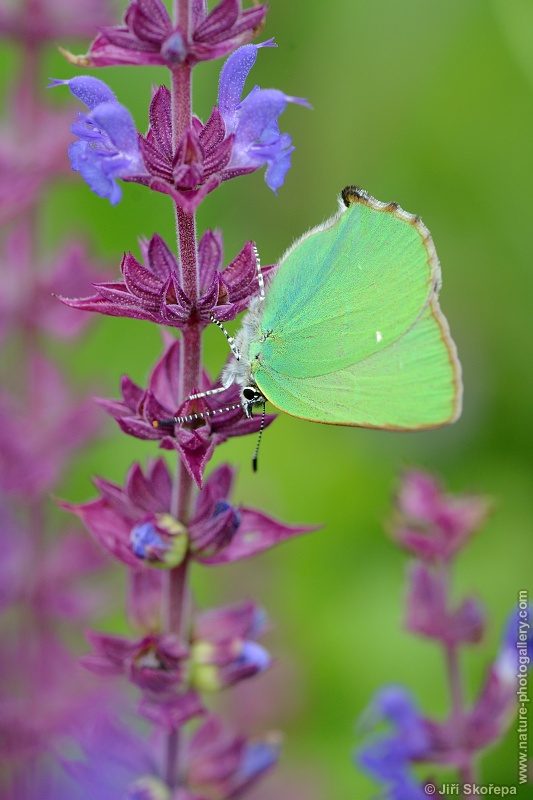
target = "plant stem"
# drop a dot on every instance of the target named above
(177, 593)
(465, 765)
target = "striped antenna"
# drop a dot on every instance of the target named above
(260, 280)
(261, 429)
(161, 423)
(231, 341)
(207, 393)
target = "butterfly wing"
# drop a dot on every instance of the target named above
(413, 384)
(376, 352)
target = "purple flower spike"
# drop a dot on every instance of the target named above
(148, 36)
(108, 144)
(253, 121)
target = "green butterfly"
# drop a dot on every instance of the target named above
(350, 331)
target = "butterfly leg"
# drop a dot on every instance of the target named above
(260, 280)
(231, 341)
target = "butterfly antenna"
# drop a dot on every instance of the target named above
(208, 393)
(260, 279)
(261, 429)
(231, 341)
(161, 423)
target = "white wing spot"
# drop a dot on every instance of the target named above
(379, 337)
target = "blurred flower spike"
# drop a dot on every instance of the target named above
(435, 526)
(107, 147)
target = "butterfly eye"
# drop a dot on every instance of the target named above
(248, 393)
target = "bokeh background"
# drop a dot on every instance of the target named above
(431, 105)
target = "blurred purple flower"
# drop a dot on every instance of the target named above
(148, 36)
(434, 525)
(506, 682)
(155, 663)
(388, 756)
(36, 440)
(108, 146)
(217, 533)
(223, 649)
(117, 762)
(53, 20)
(158, 664)
(27, 164)
(430, 611)
(153, 292)
(222, 764)
(140, 412)
(253, 120)
(27, 299)
(43, 693)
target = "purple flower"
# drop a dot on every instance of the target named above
(196, 166)
(432, 524)
(430, 611)
(388, 757)
(155, 663)
(222, 764)
(153, 292)
(222, 416)
(158, 664)
(108, 146)
(253, 121)
(223, 650)
(239, 137)
(148, 35)
(217, 533)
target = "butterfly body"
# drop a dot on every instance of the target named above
(350, 331)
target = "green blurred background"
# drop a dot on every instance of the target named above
(431, 105)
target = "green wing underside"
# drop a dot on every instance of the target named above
(411, 384)
(347, 291)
